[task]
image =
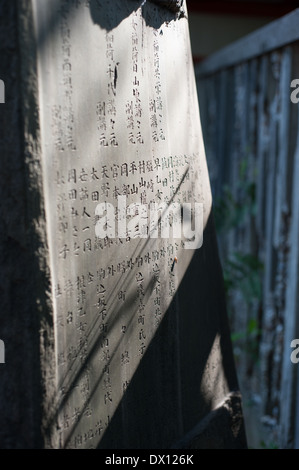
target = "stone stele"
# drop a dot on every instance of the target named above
(123, 340)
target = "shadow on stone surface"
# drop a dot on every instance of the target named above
(222, 428)
(166, 398)
(108, 15)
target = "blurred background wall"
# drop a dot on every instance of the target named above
(246, 54)
(214, 24)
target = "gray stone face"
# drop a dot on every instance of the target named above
(134, 347)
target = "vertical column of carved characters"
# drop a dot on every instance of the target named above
(134, 105)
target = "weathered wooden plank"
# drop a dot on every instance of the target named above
(284, 118)
(221, 124)
(267, 147)
(270, 177)
(262, 140)
(289, 370)
(289, 414)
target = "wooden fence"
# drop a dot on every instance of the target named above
(251, 134)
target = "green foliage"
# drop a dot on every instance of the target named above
(231, 209)
(271, 445)
(242, 272)
(252, 331)
(230, 212)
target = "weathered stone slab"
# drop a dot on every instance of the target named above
(139, 351)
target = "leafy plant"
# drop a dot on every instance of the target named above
(271, 445)
(232, 208)
(242, 271)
